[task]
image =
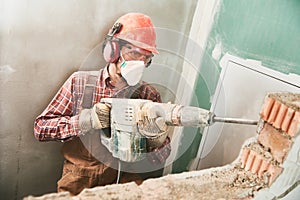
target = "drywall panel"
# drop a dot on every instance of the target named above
(240, 93)
(267, 31)
(262, 30)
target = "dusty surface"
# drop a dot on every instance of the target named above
(228, 182)
(292, 100)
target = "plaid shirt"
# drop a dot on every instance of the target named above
(60, 120)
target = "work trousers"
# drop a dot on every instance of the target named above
(82, 170)
(74, 179)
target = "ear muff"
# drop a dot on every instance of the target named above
(110, 47)
(111, 51)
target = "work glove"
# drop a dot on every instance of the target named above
(152, 125)
(151, 119)
(98, 117)
(160, 154)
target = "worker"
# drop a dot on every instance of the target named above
(76, 114)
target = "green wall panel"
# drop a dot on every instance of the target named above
(268, 31)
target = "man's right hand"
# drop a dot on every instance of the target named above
(152, 117)
(97, 117)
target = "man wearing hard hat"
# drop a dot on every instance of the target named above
(76, 113)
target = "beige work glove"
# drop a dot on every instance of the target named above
(151, 118)
(151, 124)
(97, 117)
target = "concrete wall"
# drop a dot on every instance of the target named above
(41, 44)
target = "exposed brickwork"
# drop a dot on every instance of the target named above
(295, 125)
(266, 108)
(274, 140)
(274, 112)
(274, 171)
(282, 113)
(287, 120)
(244, 157)
(263, 167)
(257, 162)
(280, 116)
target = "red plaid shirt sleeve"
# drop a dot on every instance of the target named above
(150, 93)
(57, 121)
(60, 120)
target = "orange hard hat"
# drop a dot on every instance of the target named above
(138, 30)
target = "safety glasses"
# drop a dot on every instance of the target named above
(135, 53)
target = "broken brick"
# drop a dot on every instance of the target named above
(266, 108)
(263, 167)
(280, 116)
(274, 140)
(274, 112)
(274, 172)
(287, 120)
(256, 164)
(244, 157)
(295, 124)
(250, 160)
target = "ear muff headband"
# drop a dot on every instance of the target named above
(115, 29)
(149, 63)
(110, 47)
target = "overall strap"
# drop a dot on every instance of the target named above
(89, 89)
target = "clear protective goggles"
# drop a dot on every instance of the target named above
(136, 53)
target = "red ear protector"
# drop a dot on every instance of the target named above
(110, 47)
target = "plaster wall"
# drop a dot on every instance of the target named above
(41, 44)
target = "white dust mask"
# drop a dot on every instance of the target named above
(132, 71)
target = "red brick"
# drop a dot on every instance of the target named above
(274, 112)
(244, 157)
(250, 160)
(295, 125)
(280, 116)
(266, 108)
(256, 164)
(263, 167)
(287, 120)
(272, 138)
